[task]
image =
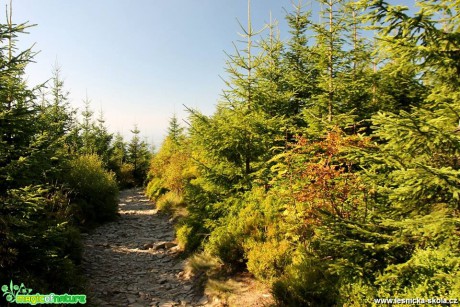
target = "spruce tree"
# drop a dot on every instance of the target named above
(91, 136)
(134, 148)
(175, 131)
(102, 139)
(300, 71)
(406, 243)
(168, 167)
(36, 237)
(420, 151)
(340, 68)
(86, 127)
(275, 98)
(329, 55)
(237, 138)
(138, 154)
(118, 153)
(18, 110)
(56, 106)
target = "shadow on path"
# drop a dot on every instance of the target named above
(125, 264)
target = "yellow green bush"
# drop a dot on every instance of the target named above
(226, 243)
(306, 282)
(94, 190)
(126, 177)
(182, 234)
(169, 201)
(155, 188)
(267, 260)
(246, 228)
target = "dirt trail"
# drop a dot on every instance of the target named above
(132, 261)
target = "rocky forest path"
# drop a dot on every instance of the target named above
(132, 261)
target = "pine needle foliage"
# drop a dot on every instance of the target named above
(330, 168)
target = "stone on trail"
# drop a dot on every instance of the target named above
(203, 300)
(131, 261)
(164, 245)
(162, 281)
(131, 299)
(167, 304)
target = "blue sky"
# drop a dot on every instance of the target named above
(139, 61)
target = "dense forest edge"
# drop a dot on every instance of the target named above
(60, 173)
(330, 169)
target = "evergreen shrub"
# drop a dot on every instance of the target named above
(169, 201)
(306, 282)
(225, 242)
(267, 260)
(125, 177)
(94, 190)
(155, 188)
(38, 243)
(189, 234)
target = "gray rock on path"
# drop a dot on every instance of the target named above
(130, 262)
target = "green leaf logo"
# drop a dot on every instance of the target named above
(9, 298)
(9, 292)
(13, 290)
